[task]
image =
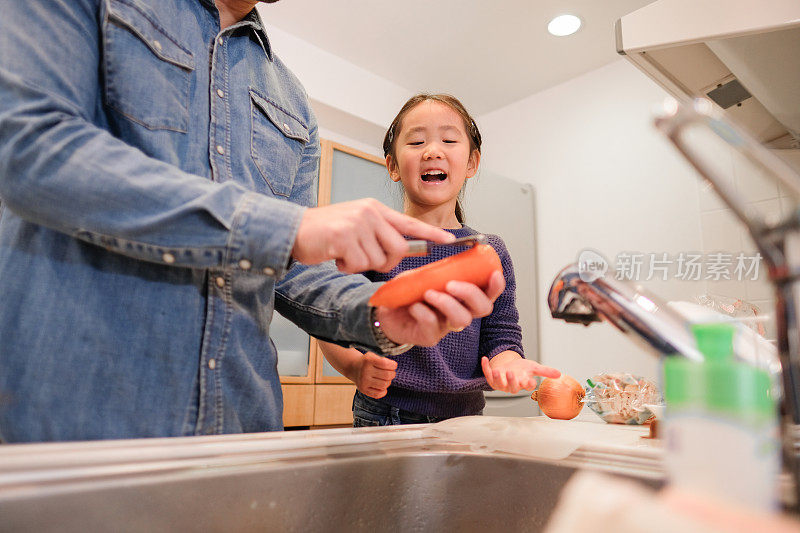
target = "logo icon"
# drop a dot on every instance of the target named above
(591, 265)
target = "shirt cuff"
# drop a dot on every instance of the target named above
(263, 235)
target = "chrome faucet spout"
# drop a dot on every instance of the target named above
(643, 316)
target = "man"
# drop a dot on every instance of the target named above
(156, 164)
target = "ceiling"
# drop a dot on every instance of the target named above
(489, 54)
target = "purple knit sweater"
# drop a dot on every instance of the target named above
(446, 380)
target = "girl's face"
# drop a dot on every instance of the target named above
(433, 156)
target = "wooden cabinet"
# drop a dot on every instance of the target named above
(314, 393)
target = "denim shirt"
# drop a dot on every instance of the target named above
(153, 173)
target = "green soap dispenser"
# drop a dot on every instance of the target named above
(721, 426)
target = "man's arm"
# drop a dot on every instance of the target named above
(59, 169)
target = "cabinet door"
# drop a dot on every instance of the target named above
(296, 351)
(348, 174)
(356, 175)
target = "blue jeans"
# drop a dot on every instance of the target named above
(371, 412)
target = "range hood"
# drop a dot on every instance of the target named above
(744, 55)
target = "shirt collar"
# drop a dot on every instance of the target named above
(260, 31)
(252, 19)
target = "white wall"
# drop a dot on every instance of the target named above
(353, 106)
(604, 179)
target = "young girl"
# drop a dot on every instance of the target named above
(432, 148)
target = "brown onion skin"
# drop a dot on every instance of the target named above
(560, 398)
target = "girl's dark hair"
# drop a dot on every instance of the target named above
(389, 140)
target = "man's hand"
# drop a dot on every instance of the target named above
(360, 235)
(425, 323)
(509, 372)
(374, 374)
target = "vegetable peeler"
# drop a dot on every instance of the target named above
(424, 247)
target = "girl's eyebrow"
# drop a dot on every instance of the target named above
(416, 129)
(422, 129)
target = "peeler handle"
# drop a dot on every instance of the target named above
(419, 247)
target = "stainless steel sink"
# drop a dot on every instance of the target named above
(359, 481)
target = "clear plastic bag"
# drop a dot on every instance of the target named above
(621, 398)
(742, 311)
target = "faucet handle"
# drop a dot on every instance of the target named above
(576, 310)
(566, 304)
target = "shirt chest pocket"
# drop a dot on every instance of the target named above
(277, 141)
(147, 73)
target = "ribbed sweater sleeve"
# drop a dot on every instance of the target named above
(500, 331)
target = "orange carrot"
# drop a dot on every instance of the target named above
(474, 265)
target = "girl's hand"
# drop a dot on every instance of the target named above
(508, 372)
(374, 375)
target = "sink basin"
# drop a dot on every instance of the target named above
(382, 483)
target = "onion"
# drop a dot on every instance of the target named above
(560, 398)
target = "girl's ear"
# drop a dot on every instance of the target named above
(472, 164)
(391, 166)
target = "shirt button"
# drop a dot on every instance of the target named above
(269, 271)
(220, 281)
(220, 41)
(220, 93)
(168, 258)
(244, 264)
(212, 364)
(287, 128)
(220, 149)
(157, 45)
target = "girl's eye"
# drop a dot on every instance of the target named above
(448, 141)
(415, 143)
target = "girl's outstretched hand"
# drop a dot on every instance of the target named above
(374, 375)
(508, 372)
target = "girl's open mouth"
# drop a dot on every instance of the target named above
(434, 175)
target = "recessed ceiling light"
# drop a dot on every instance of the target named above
(564, 25)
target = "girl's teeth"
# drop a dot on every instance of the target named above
(435, 175)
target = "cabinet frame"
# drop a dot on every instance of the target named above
(315, 357)
(326, 166)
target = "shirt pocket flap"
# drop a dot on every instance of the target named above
(286, 123)
(147, 28)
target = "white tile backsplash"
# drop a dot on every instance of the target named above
(720, 157)
(791, 157)
(788, 205)
(709, 199)
(770, 210)
(759, 289)
(727, 287)
(721, 231)
(751, 183)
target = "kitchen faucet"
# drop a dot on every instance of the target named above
(583, 295)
